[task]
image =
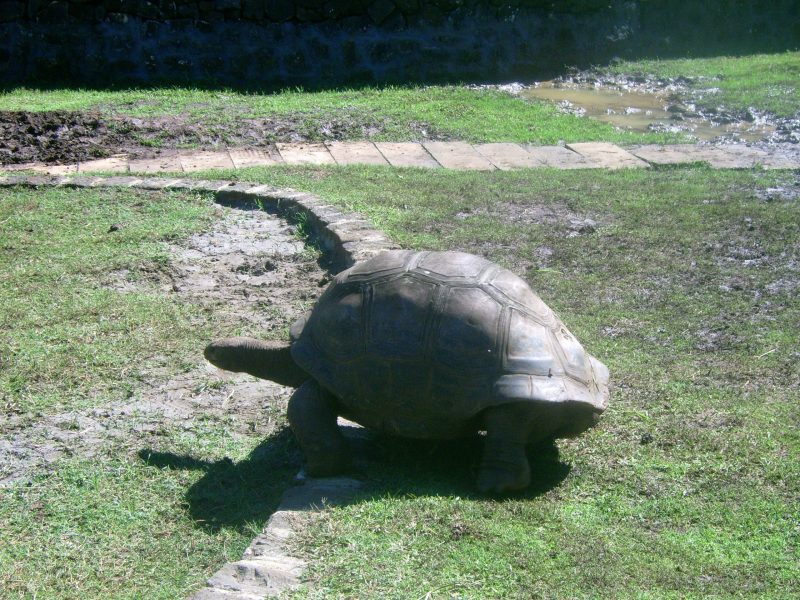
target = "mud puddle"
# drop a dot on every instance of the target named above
(249, 271)
(645, 109)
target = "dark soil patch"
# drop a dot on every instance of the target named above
(70, 137)
(54, 137)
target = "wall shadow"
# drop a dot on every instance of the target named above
(477, 42)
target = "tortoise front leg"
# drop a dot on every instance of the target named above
(504, 466)
(312, 416)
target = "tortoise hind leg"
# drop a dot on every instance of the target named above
(504, 466)
(312, 416)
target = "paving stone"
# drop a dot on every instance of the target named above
(200, 161)
(164, 164)
(783, 156)
(507, 156)
(262, 189)
(715, 156)
(113, 164)
(774, 158)
(666, 155)
(266, 568)
(118, 181)
(21, 167)
(305, 154)
(154, 183)
(255, 157)
(13, 180)
(86, 181)
(214, 594)
(457, 155)
(265, 576)
(406, 154)
(55, 169)
(356, 153)
(208, 185)
(558, 157)
(607, 156)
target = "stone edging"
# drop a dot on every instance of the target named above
(266, 567)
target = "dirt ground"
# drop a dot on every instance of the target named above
(68, 137)
(250, 270)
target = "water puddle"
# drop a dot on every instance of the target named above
(645, 112)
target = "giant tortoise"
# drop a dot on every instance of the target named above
(432, 345)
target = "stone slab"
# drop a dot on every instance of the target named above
(458, 155)
(55, 169)
(735, 156)
(164, 164)
(255, 157)
(783, 158)
(305, 154)
(406, 154)
(507, 156)
(558, 157)
(607, 156)
(200, 161)
(119, 181)
(113, 164)
(774, 157)
(356, 153)
(666, 155)
(266, 568)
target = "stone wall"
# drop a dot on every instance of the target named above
(275, 43)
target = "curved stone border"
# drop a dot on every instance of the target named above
(266, 568)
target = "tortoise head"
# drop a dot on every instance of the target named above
(231, 354)
(264, 359)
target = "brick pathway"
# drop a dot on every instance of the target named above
(448, 155)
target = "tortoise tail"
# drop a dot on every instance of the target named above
(263, 359)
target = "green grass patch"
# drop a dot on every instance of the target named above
(388, 114)
(122, 526)
(687, 288)
(766, 82)
(155, 510)
(70, 339)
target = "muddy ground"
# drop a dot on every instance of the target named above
(250, 270)
(69, 137)
(686, 104)
(687, 110)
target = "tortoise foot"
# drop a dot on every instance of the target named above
(328, 462)
(497, 479)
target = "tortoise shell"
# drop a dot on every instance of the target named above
(419, 343)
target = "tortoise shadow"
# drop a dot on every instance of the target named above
(403, 467)
(239, 494)
(235, 494)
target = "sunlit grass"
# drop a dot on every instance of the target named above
(766, 82)
(394, 113)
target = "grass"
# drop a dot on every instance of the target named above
(688, 488)
(153, 512)
(387, 114)
(767, 82)
(686, 288)
(70, 339)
